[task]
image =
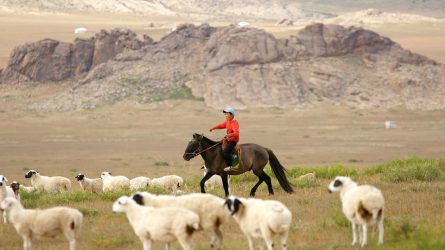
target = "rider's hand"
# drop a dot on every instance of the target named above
(211, 129)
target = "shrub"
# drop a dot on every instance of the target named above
(409, 170)
(326, 172)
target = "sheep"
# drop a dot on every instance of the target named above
(362, 205)
(30, 223)
(209, 208)
(5, 192)
(87, 184)
(15, 186)
(215, 180)
(48, 183)
(113, 183)
(261, 219)
(171, 182)
(308, 176)
(140, 182)
(159, 224)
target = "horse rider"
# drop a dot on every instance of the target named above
(232, 136)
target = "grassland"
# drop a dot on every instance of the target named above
(415, 216)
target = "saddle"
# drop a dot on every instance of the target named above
(236, 152)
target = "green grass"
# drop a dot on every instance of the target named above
(409, 170)
(324, 172)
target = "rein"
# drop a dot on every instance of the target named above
(197, 152)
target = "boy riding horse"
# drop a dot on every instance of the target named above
(232, 136)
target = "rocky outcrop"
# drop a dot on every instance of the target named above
(246, 67)
(51, 60)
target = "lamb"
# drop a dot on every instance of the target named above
(159, 224)
(215, 180)
(363, 205)
(171, 182)
(48, 183)
(261, 219)
(209, 208)
(5, 192)
(113, 183)
(140, 182)
(91, 185)
(30, 223)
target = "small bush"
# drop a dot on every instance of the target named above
(409, 170)
(161, 163)
(326, 172)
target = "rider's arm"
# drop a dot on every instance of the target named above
(219, 126)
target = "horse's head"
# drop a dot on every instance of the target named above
(193, 146)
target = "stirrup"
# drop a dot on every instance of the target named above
(228, 169)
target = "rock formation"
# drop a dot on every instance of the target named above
(243, 67)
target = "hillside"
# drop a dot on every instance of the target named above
(195, 9)
(244, 67)
(435, 8)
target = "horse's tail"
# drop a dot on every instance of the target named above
(279, 172)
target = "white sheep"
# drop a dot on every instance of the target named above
(159, 225)
(31, 223)
(209, 208)
(170, 182)
(261, 219)
(48, 183)
(5, 192)
(215, 180)
(140, 182)
(91, 185)
(362, 205)
(113, 183)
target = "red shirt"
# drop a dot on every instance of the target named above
(232, 128)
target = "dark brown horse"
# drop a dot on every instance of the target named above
(253, 157)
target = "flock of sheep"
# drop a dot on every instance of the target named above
(169, 218)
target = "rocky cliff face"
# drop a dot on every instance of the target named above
(243, 67)
(50, 60)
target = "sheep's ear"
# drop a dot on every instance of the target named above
(337, 183)
(137, 197)
(4, 179)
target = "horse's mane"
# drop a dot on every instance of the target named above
(209, 141)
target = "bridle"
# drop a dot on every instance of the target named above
(197, 150)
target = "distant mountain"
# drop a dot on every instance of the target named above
(435, 8)
(195, 9)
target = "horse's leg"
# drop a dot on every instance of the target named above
(268, 182)
(203, 181)
(260, 177)
(225, 183)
